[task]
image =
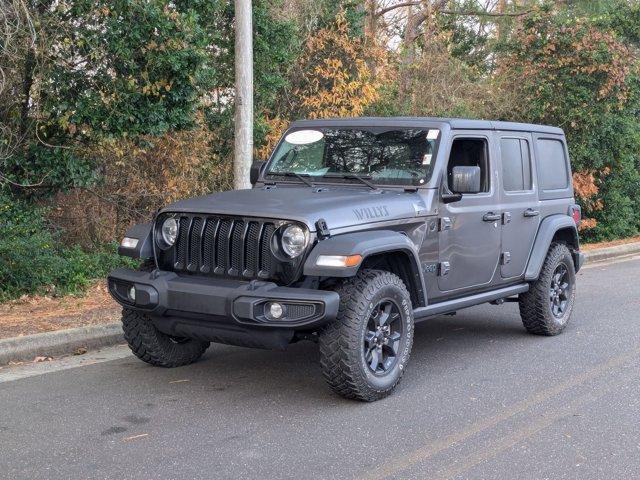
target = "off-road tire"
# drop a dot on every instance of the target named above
(341, 342)
(156, 348)
(535, 306)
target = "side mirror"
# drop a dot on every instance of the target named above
(466, 179)
(256, 169)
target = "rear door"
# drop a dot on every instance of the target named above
(520, 206)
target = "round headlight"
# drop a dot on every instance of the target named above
(294, 240)
(169, 231)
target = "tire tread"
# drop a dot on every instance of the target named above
(154, 347)
(340, 340)
(534, 304)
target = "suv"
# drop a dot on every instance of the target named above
(355, 229)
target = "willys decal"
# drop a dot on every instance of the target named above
(369, 213)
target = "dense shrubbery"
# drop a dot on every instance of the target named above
(33, 259)
(111, 109)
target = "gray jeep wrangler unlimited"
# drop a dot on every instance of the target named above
(354, 230)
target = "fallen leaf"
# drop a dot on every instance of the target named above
(80, 351)
(42, 359)
(134, 437)
(180, 381)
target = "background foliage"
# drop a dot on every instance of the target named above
(109, 109)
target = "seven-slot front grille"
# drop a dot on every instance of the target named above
(212, 245)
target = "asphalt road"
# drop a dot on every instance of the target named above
(481, 400)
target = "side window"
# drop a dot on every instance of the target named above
(552, 164)
(516, 164)
(469, 152)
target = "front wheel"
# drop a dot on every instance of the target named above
(546, 308)
(156, 348)
(365, 351)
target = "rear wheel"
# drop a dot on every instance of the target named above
(365, 351)
(546, 308)
(156, 348)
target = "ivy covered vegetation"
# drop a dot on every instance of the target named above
(111, 108)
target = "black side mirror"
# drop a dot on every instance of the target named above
(256, 169)
(466, 179)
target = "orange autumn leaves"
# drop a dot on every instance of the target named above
(332, 78)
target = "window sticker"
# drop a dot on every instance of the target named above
(426, 159)
(432, 134)
(304, 137)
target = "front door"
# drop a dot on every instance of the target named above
(521, 213)
(470, 228)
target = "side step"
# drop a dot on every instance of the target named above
(449, 306)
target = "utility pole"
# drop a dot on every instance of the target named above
(243, 152)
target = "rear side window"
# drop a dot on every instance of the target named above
(516, 164)
(552, 165)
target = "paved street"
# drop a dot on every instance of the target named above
(481, 400)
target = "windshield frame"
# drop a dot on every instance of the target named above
(268, 177)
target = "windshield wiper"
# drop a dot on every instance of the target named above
(299, 176)
(352, 176)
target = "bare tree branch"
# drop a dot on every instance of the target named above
(477, 13)
(472, 13)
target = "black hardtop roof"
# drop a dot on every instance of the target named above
(454, 123)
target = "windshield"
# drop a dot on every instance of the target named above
(399, 156)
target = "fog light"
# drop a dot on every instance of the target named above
(132, 293)
(275, 310)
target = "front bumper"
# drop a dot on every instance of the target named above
(222, 310)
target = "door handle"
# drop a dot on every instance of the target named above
(530, 212)
(491, 217)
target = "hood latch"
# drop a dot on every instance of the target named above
(322, 229)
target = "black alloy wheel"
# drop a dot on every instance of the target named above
(560, 290)
(383, 336)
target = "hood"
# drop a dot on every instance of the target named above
(338, 206)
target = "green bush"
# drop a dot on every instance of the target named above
(34, 259)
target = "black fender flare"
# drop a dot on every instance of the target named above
(144, 248)
(365, 244)
(547, 230)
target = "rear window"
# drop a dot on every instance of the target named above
(516, 164)
(552, 165)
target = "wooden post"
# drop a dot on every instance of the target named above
(243, 152)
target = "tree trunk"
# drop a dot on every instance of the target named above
(243, 151)
(27, 83)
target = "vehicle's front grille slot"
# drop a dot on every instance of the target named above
(182, 245)
(222, 246)
(195, 244)
(237, 248)
(208, 247)
(252, 244)
(232, 247)
(266, 259)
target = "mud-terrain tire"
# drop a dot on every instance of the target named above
(156, 348)
(546, 308)
(356, 361)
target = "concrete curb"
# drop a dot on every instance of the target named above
(62, 342)
(608, 253)
(67, 341)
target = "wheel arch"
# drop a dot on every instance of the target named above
(555, 228)
(381, 249)
(143, 248)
